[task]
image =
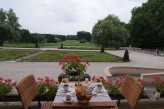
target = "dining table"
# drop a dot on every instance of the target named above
(98, 100)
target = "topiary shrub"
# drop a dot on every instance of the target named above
(126, 56)
(61, 46)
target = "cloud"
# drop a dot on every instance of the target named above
(67, 16)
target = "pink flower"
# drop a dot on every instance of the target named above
(14, 84)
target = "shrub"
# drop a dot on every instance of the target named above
(61, 46)
(126, 56)
(82, 40)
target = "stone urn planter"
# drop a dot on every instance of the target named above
(73, 78)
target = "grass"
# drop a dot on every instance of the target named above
(19, 45)
(7, 55)
(54, 56)
(67, 44)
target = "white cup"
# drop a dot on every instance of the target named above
(68, 97)
(99, 88)
(86, 80)
(65, 87)
(157, 95)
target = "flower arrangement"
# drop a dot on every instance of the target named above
(143, 82)
(72, 65)
(159, 84)
(6, 86)
(114, 85)
(47, 86)
(99, 79)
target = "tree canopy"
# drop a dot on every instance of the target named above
(147, 25)
(84, 35)
(9, 27)
(109, 32)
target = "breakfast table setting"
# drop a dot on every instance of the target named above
(90, 95)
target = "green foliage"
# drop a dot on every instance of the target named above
(158, 84)
(42, 88)
(109, 32)
(6, 86)
(146, 25)
(126, 56)
(52, 56)
(52, 89)
(72, 64)
(9, 27)
(47, 87)
(61, 46)
(84, 35)
(82, 40)
(26, 36)
(7, 55)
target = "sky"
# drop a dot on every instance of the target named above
(67, 17)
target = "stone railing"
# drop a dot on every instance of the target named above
(145, 73)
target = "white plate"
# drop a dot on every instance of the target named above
(64, 99)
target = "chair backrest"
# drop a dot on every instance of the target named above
(131, 90)
(27, 89)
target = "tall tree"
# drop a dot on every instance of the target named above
(109, 32)
(26, 36)
(12, 19)
(147, 25)
(84, 34)
(9, 27)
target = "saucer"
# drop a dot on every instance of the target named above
(87, 83)
(70, 101)
(102, 90)
(64, 91)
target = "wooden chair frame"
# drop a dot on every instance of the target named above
(131, 89)
(28, 90)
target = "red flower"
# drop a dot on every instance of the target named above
(14, 84)
(93, 78)
(72, 63)
(87, 61)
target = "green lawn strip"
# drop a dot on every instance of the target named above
(86, 48)
(6, 54)
(20, 45)
(54, 56)
(75, 43)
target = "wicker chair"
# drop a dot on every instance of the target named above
(131, 90)
(28, 90)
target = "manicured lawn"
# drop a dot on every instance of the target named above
(53, 56)
(68, 44)
(6, 55)
(19, 45)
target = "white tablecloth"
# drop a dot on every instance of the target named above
(97, 97)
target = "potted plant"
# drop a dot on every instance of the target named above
(47, 88)
(72, 64)
(6, 86)
(73, 68)
(159, 85)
